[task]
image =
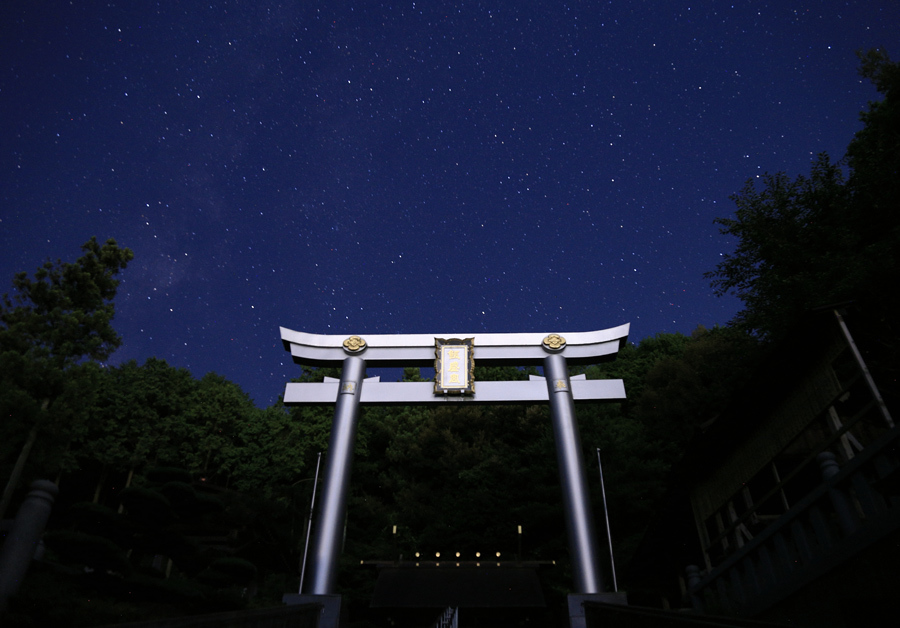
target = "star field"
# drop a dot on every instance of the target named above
(414, 167)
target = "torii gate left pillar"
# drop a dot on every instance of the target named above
(336, 481)
(419, 350)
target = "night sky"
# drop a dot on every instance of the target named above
(413, 167)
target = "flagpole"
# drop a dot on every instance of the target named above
(312, 504)
(612, 560)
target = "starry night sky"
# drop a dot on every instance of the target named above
(415, 167)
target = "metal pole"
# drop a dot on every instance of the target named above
(870, 382)
(330, 519)
(312, 505)
(612, 560)
(579, 522)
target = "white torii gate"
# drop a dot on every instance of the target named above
(453, 356)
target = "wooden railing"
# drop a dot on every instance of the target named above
(854, 507)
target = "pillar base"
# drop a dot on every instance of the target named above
(577, 600)
(330, 607)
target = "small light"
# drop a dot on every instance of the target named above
(395, 529)
(417, 554)
(457, 554)
(437, 554)
(520, 529)
(498, 554)
(477, 554)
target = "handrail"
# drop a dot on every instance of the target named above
(766, 574)
(810, 457)
(448, 619)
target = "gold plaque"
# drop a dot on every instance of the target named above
(454, 364)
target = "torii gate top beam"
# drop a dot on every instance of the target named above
(418, 349)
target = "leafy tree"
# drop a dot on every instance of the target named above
(215, 414)
(682, 392)
(826, 238)
(873, 156)
(674, 383)
(155, 414)
(137, 420)
(48, 326)
(793, 250)
(268, 456)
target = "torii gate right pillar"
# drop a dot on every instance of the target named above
(573, 478)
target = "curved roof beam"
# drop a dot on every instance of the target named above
(418, 349)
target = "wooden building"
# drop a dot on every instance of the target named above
(787, 506)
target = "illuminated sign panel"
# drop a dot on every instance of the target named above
(454, 364)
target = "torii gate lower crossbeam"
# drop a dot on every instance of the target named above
(353, 389)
